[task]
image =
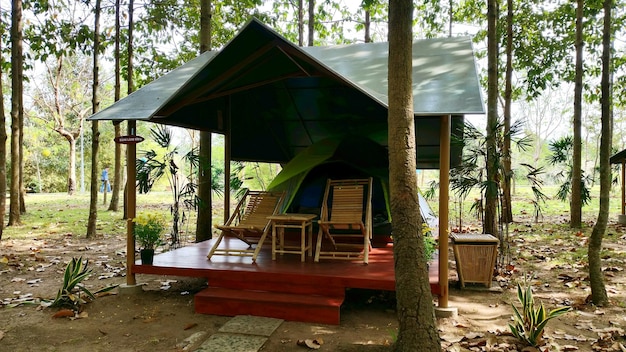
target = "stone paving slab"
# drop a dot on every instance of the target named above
(251, 325)
(243, 333)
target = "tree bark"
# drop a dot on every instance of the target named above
(311, 22)
(417, 329)
(491, 191)
(117, 163)
(95, 141)
(16, 93)
(204, 223)
(576, 182)
(131, 83)
(3, 146)
(596, 278)
(507, 212)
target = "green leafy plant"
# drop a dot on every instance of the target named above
(529, 324)
(69, 295)
(149, 229)
(430, 244)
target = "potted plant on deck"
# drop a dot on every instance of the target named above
(149, 229)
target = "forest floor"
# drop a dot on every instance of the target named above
(162, 317)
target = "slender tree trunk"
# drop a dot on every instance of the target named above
(95, 141)
(16, 92)
(417, 329)
(3, 145)
(491, 192)
(368, 23)
(507, 213)
(71, 180)
(205, 209)
(576, 201)
(311, 22)
(131, 82)
(301, 22)
(117, 167)
(596, 277)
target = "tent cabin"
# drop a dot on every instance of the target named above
(272, 99)
(620, 158)
(304, 178)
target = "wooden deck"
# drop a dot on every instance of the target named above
(285, 288)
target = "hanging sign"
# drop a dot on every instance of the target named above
(128, 139)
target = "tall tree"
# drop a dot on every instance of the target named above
(417, 329)
(205, 209)
(491, 190)
(507, 212)
(61, 102)
(576, 200)
(3, 140)
(596, 276)
(95, 134)
(17, 77)
(117, 164)
(311, 22)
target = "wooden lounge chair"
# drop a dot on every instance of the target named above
(249, 223)
(346, 220)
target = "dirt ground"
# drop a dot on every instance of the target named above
(162, 317)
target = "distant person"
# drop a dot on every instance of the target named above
(105, 180)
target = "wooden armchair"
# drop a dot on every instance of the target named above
(346, 220)
(249, 224)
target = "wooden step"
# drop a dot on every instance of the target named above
(288, 306)
(279, 285)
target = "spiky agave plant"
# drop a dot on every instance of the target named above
(69, 295)
(529, 324)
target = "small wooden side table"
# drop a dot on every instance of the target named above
(304, 222)
(475, 256)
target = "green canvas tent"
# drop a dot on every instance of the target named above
(304, 177)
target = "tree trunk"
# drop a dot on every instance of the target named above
(598, 290)
(417, 329)
(131, 82)
(507, 213)
(311, 22)
(3, 147)
(301, 22)
(117, 163)
(204, 222)
(576, 183)
(16, 92)
(491, 192)
(368, 23)
(71, 179)
(95, 141)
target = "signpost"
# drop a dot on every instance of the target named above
(128, 139)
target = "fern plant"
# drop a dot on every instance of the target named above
(529, 324)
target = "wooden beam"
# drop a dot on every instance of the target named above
(444, 200)
(131, 203)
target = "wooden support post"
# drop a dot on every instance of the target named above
(624, 187)
(444, 200)
(131, 204)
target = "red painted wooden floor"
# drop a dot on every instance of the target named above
(285, 288)
(192, 261)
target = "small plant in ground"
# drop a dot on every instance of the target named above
(530, 323)
(69, 295)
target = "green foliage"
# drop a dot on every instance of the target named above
(562, 155)
(69, 295)
(153, 165)
(149, 229)
(529, 324)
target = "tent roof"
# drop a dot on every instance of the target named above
(275, 98)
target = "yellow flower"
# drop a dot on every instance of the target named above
(148, 229)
